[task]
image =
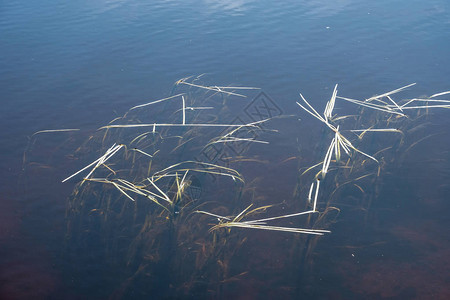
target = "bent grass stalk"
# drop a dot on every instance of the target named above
(208, 168)
(142, 152)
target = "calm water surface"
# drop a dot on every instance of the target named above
(79, 64)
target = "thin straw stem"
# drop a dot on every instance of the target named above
(184, 110)
(54, 130)
(156, 101)
(213, 215)
(281, 217)
(440, 94)
(272, 228)
(317, 193)
(97, 161)
(389, 93)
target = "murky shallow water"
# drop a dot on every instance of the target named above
(79, 65)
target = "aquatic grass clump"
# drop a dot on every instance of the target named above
(163, 191)
(141, 192)
(379, 114)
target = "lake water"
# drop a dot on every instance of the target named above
(80, 64)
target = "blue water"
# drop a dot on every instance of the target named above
(79, 64)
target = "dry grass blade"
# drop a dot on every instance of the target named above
(234, 139)
(54, 130)
(238, 87)
(139, 137)
(184, 110)
(341, 143)
(313, 112)
(211, 88)
(281, 217)
(199, 107)
(310, 192)
(122, 191)
(204, 167)
(395, 103)
(128, 186)
(389, 93)
(241, 214)
(165, 197)
(229, 138)
(429, 100)
(373, 106)
(142, 152)
(270, 228)
(440, 94)
(346, 142)
(310, 168)
(328, 113)
(377, 130)
(344, 117)
(316, 195)
(327, 159)
(109, 153)
(427, 106)
(213, 215)
(261, 223)
(156, 101)
(132, 187)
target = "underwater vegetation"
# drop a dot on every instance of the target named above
(169, 194)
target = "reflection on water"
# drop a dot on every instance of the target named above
(324, 9)
(232, 6)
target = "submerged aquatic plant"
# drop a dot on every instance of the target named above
(165, 190)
